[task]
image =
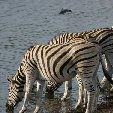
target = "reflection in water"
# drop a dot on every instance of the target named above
(53, 105)
(66, 106)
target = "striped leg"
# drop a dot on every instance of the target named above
(82, 101)
(81, 93)
(97, 91)
(91, 92)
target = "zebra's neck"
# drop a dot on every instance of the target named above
(20, 77)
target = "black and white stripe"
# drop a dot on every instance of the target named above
(55, 63)
(102, 36)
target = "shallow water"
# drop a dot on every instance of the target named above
(28, 22)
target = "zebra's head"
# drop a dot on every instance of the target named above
(16, 94)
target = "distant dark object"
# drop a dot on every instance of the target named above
(63, 11)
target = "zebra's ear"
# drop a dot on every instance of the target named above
(9, 78)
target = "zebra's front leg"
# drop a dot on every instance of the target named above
(68, 87)
(29, 85)
(40, 86)
(97, 91)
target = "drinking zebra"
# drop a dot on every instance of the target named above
(56, 63)
(102, 36)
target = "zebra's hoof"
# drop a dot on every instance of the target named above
(49, 95)
(23, 110)
(78, 107)
(64, 98)
(37, 109)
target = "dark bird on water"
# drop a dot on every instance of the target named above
(63, 11)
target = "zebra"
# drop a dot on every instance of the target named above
(102, 36)
(56, 63)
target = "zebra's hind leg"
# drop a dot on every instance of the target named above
(80, 102)
(68, 87)
(40, 86)
(97, 91)
(90, 87)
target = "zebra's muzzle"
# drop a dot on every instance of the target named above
(9, 108)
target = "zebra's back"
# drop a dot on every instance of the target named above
(102, 36)
(56, 62)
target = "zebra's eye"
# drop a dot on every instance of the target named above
(9, 88)
(13, 81)
(22, 64)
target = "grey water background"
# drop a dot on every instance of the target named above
(24, 23)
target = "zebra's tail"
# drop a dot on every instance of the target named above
(105, 71)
